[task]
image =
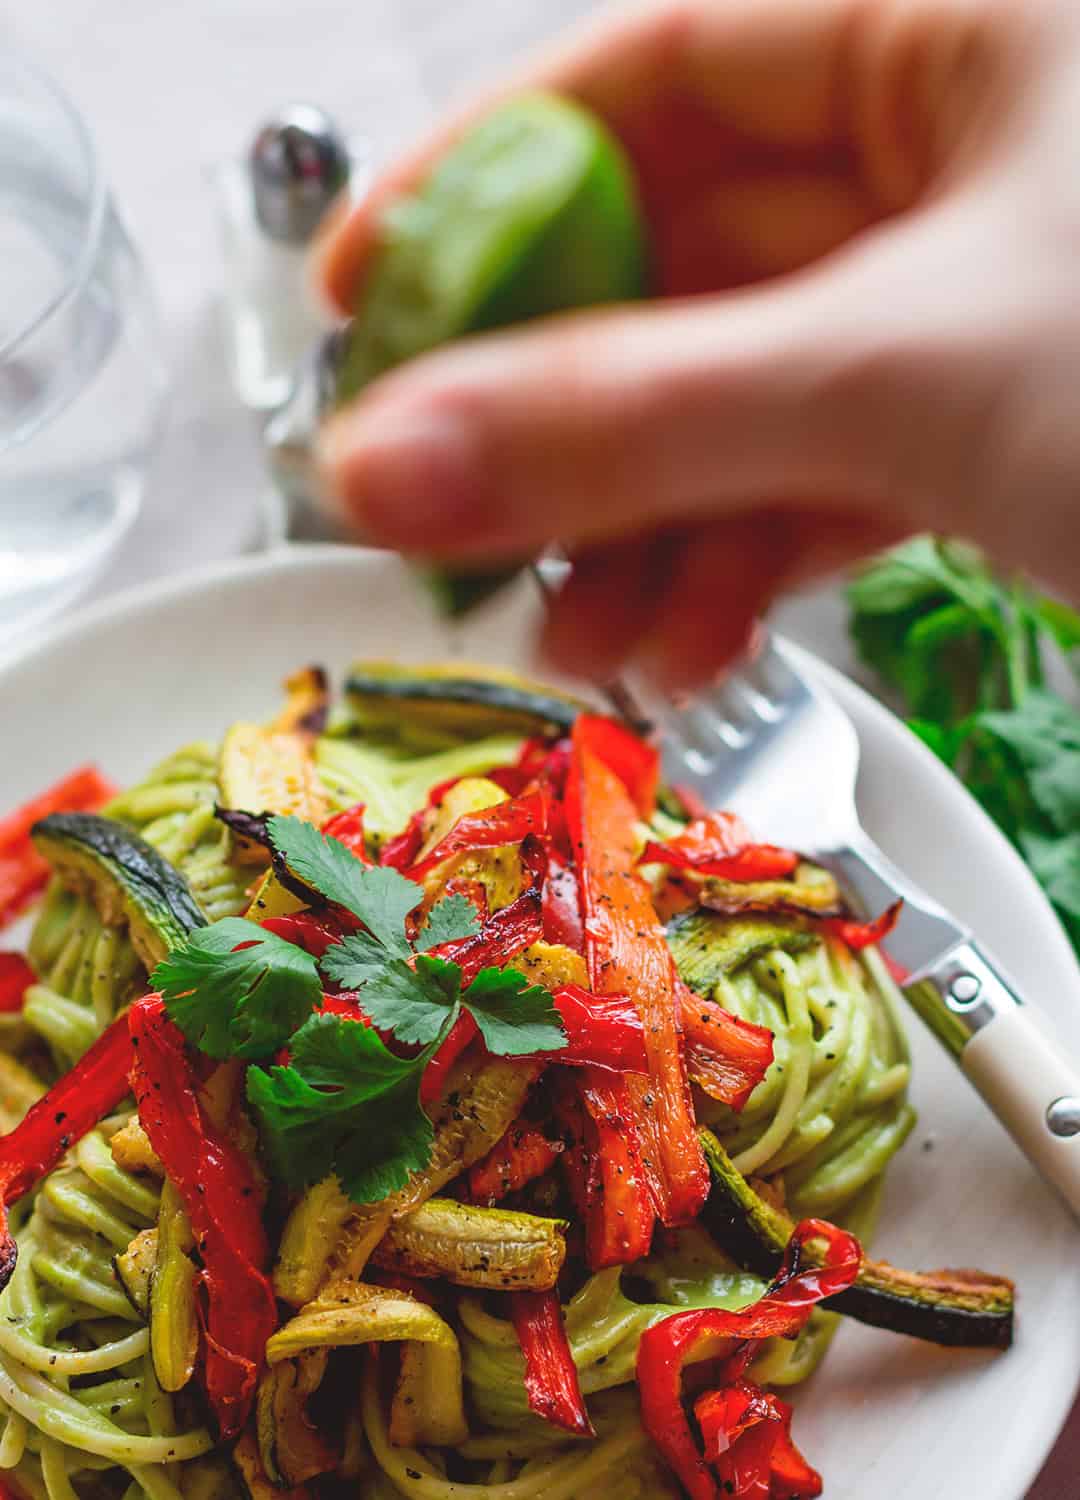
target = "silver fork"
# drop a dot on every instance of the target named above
(771, 743)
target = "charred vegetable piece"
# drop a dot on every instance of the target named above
(348, 1312)
(327, 1234)
(265, 771)
(551, 1377)
(811, 890)
(454, 700)
(290, 1447)
(963, 1309)
(130, 883)
(135, 1268)
(174, 1319)
(23, 872)
(131, 1149)
(253, 1478)
(480, 1247)
(420, 1412)
(523, 1154)
(707, 945)
(307, 703)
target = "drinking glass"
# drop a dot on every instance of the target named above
(82, 380)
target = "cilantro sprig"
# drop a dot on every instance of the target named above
(982, 668)
(344, 1102)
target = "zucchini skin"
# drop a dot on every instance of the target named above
(130, 881)
(957, 1309)
(500, 701)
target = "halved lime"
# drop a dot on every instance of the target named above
(533, 211)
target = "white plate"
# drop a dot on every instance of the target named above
(886, 1416)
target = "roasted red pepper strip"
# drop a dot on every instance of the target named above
(627, 953)
(604, 1030)
(619, 1214)
(746, 1434)
(551, 1378)
(16, 977)
(523, 1154)
(402, 849)
(725, 1055)
(711, 1333)
(505, 933)
(633, 762)
(23, 872)
(505, 823)
(720, 844)
(348, 828)
(562, 905)
(74, 1105)
(218, 1187)
(313, 934)
(863, 934)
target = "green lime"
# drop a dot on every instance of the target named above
(533, 211)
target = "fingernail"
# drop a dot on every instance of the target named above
(408, 476)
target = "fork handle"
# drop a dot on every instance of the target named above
(1003, 1048)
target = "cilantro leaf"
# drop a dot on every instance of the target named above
(381, 897)
(345, 1105)
(238, 1004)
(450, 919)
(514, 1016)
(412, 1003)
(354, 960)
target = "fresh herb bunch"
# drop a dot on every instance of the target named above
(969, 656)
(344, 1102)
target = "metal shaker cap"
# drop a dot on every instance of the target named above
(299, 163)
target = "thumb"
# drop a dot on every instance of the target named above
(810, 391)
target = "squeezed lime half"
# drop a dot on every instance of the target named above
(534, 211)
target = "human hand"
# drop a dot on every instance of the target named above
(865, 217)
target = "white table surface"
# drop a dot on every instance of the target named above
(168, 88)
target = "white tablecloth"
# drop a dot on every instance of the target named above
(169, 87)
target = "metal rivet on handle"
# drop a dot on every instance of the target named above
(1063, 1116)
(964, 992)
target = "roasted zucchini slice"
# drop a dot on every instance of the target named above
(706, 945)
(480, 1247)
(453, 699)
(268, 771)
(963, 1309)
(131, 885)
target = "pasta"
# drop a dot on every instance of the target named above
(85, 1412)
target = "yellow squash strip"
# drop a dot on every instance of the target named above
(131, 1149)
(348, 1312)
(551, 965)
(427, 1407)
(174, 1323)
(498, 870)
(291, 1450)
(326, 1234)
(476, 1247)
(307, 699)
(263, 771)
(135, 1269)
(254, 1477)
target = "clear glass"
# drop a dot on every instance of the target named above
(82, 379)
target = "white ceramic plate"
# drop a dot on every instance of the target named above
(886, 1416)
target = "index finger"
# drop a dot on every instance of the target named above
(689, 74)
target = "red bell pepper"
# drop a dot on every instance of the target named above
(627, 953)
(720, 844)
(313, 934)
(711, 1333)
(505, 823)
(538, 760)
(218, 1187)
(746, 1434)
(562, 904)
(402, 849)
(633, 762)
(74, 1105)
(523, 1154)
(16, 977)
(618, 1210)
(23, 872)
(551, 1378)
(604, 1030)
(348, 828)
(863, 934)
(725, 1055)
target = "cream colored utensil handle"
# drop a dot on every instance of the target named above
(1024, 1075)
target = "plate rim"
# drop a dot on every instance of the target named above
(21, 654)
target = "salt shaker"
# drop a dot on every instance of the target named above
(270, 205)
